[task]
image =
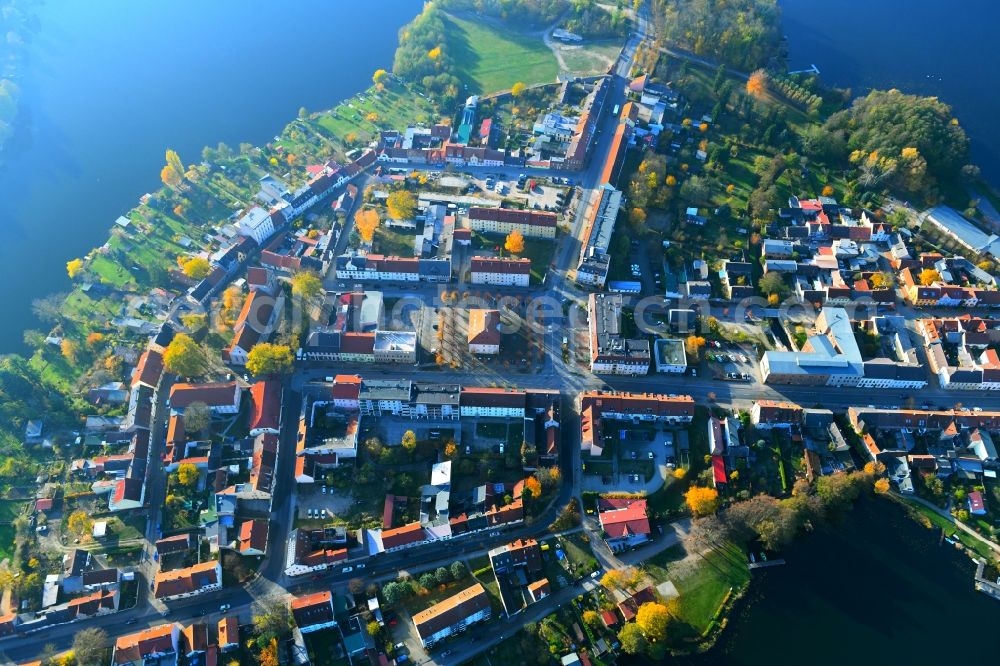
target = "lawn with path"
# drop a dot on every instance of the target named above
(490, 59)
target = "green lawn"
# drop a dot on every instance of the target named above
(491, 60)
(590, 58)
(540, 252)
(703, 587)
(578, 552)
(397, 106)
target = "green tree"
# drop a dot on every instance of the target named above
(773, 283)
(402, 205)
(174, 162)
(272, 619)
(187, 475)
(653, 619)
(90, 646)
(632, 639)
(307, 285)
(458, 570)
(442, 575)
(409, 440)
(196, 268)
(270, 359)
(185, 357)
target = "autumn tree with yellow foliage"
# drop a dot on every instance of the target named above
(366, 221)
(653, 618)
(757, 84)
(702, 501)
(929, 276)
(402, 205)
(196, 268)
(514, 242)
(73, 268)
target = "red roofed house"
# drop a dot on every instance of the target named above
(194, 639)
(313, 612)
(531, 223)
(504, 272)
(629, 607)
(976, 505)
(395, 539)
(253, 537)
(148, 370)
(346, 391)
(150, 645)
(188, 582)
(229, 633)
(539, 590)
(484, 331)
(719, 471)
(624, 521)
(265, 401)
(221, 397)
(609, 618)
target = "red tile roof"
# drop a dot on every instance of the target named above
(265, 404)
(719, 469)
(622, 517)
(509, 215)
(484, 327)
(172, 583)
(501, 265)
(401, 536)
(357, 343)
(346, 387)
(155, 640)
(253, 535)
(148, 369)
(229, 631)
(214, 394)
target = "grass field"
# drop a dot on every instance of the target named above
(491, 60)
(703, 586)
(591, 58)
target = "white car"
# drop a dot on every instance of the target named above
(224, 607)
(324, 490)
(347, 570)
(359, 566)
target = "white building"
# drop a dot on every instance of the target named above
(501, 272)
(257, 224)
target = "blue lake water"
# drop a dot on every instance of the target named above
(110, 84)
(926, 47)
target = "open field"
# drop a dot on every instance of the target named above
(492, 60)
(704, 584)
(590, 58)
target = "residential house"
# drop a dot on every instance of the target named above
(452, 615)
(156, 645)
(624, 522)
(484, 331)
(313, 612)
(189, 581)
(531, 223)
(611, 352)
(506, 272)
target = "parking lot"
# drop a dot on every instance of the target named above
(639, 460)
(731, 362)
(545, 195)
